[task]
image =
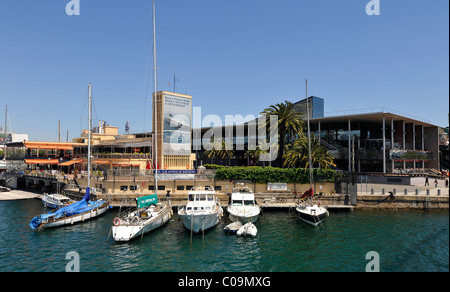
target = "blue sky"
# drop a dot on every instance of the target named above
(233, 57)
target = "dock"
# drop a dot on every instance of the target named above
(14, 195)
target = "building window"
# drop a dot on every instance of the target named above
(180, 188)
(218, 188)
(151, 188)
(161, 188)
(188, 188)
(123, 188)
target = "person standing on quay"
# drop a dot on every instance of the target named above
(426, 181)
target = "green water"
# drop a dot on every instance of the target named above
(404, 240)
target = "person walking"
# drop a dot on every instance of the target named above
(426, 181)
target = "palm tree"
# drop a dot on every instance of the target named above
(297, 154)
(215, 149)
(226, 154)
(290, 124)
(219, 150)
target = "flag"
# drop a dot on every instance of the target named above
(127, 127)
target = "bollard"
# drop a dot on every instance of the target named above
(417, 192)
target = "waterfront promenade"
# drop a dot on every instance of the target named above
(369, 196)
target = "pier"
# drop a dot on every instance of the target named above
(14, 195)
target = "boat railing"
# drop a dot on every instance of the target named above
(202, 189)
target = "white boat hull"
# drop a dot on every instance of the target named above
(200, 222)
(247, 229)
(129, 232)
(243, 219)
(77, 218)
(312, 215)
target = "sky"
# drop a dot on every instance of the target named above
(233, 57)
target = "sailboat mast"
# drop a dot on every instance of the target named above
(6, 133)
(309, 137)
(155, 136)
(89, 138)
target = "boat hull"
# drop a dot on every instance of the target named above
(77, 218)
(249, 229)
(200, 222)
(312, 218)
(129, 232)
(243, 219)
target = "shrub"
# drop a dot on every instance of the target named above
(258, 174)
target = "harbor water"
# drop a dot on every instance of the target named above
(404, 241)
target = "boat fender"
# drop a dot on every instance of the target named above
(116, 221)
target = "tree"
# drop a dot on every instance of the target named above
(297, 154)
(290, 125)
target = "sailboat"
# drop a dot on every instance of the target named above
(311, 213)
(77, 212)
(149, 214)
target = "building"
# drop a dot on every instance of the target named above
(369, 140)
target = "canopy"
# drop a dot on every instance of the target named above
(146, 201)
(41, 161)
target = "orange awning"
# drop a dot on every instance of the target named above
(68, 163)
(42, 161)
(101, 162)
(48, 145)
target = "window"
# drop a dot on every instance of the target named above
(133, 188)
(161, 188)
(180, 188)
(151, 188)
(218, 188)
(123, 188)
(188, 188)
(248, 203)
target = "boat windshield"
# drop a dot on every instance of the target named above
(237, 203)
(200, 197)
(249, 203)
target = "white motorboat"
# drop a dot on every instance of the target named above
(55, 201)
(202, 211)
(148, 216)
(248, 229)
(243, 206)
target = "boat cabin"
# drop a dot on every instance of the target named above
(243, 199)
